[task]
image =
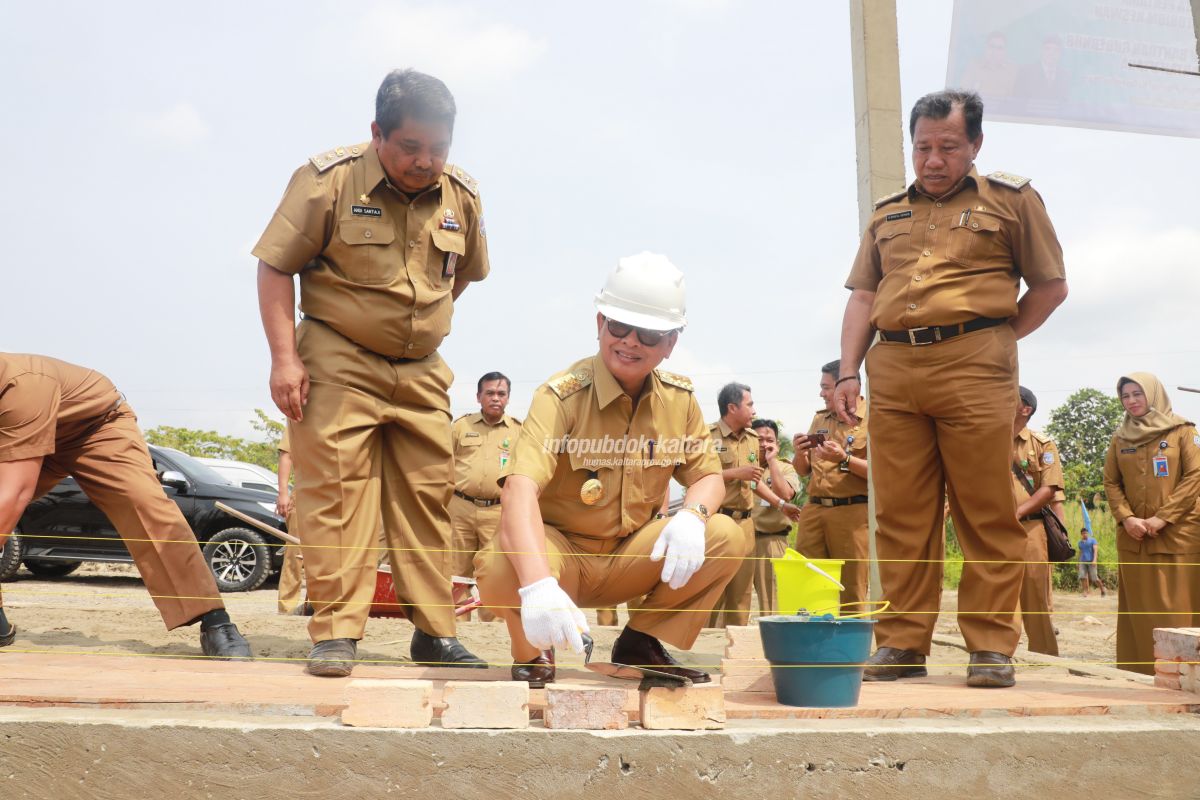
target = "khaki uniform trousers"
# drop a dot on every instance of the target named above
(473, 528)
(607, 616)
(838, 532)
(942, 415)
(733, 606)
(1035, 593)
(1155, 591)
(113, 468)
(608, 572)
(375, 440)
(291, 574)
(766, 547)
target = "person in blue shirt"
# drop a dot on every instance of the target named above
(1089, 552)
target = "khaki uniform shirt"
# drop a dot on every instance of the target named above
(1037, 456)
(577, 422)
(768, 518)
(285, 442)
(826, 479)
(46, 403)
(1136, 486)
(735, 450)
(375, 265)
(941, 261)
(481, 450)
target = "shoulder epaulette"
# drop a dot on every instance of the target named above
(752, 432)
(676, 380)
(323, 161)
(462, 416)
(1017, 182)
(515, 420)
(1041, 437)
(566, 385)
(461, 175)
(888, 198)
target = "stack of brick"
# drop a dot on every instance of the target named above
(1177, 659)
(744, 667)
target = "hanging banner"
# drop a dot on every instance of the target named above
(1127, 65)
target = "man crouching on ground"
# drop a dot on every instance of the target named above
(588, 474)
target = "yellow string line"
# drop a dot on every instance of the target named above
(451, 550)
(347, 603)
(564, 664)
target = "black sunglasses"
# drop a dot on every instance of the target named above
(649, 338)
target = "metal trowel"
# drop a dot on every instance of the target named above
(648, 677)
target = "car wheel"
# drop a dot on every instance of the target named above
(45, 568)
(10, 558)
(239, 559)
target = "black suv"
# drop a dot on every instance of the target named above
(62, 529)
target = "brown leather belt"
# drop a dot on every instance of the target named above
(477, 500)
(933, 334)
(830, 502)
(730, 512)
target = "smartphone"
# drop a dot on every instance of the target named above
(816, 439)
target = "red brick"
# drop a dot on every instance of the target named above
(388, 704)
(585, 707)
(693, 708)
(486, 704)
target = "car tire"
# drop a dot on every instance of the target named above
(239, 559)
(10, 558)
(47, 568)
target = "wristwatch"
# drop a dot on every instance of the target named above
(699, 509)
(844, 464)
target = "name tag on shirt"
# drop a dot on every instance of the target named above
(897, 215)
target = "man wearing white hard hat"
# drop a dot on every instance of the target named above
(580, 495)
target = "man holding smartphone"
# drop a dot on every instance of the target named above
(834, 522)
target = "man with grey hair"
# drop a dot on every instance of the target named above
(937, 276)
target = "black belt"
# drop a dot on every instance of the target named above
(389, 359)
(830, 502)
(477, 500)
(729, 512)
(783, 532)
(1032, 518)
(938, 333)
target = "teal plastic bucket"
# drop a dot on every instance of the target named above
(816, 662)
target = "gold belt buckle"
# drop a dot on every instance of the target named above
(827, 502)
(912, 339)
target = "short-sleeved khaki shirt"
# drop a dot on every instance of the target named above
(376, 265)
(735, 449)
(941, 261)
(1037, 456)
(768, 518)
(481, 450)
(826, 479)
(582, 425)
(46, 403)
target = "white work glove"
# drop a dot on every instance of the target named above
(550, 617)
(682, 542)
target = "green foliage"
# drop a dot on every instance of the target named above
(211, 444)
(1104, 531)
(1082, 427)
(953, 567)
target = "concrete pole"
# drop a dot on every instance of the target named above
(879, 134)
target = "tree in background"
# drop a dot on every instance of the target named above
(1082, 427)
(211, 444)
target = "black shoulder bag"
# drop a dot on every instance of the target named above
(1058, 543)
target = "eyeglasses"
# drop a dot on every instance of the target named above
(649, 338)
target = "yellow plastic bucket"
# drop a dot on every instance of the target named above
(797, 586)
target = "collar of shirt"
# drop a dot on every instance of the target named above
(971, 177)
(1022, 436)
(504, 420)
(606, 390)
(728, 432)
(373, 175)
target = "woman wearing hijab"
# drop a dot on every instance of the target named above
(1152, 479)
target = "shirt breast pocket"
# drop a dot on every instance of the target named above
(364, 252)
(586, 466)
(977, 241)
(893, 241)
(448, 248)
(469, 443)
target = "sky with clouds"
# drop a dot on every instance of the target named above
(147, 145)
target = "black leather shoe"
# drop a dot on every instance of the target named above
(224, 642)
(442, 651)
(990, 670)
(332, 658)
(890, 663)
(8, 636)
(537, 672)
(638, 649)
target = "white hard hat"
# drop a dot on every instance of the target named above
(645, 291)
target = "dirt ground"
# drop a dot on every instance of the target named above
(104, 608)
